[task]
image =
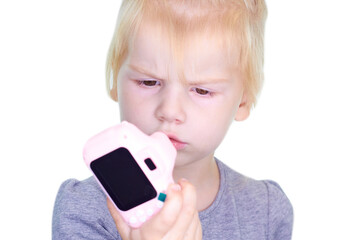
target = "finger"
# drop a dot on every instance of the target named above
(188, 213)
(198, 234)
(194, 231)
(160, 224)
(121, 225)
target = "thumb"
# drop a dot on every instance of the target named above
(122, 227)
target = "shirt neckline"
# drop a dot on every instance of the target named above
(206, 212)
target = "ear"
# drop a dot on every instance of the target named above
(243, 110)
(113, 87)
(113, 93)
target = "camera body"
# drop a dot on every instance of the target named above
(133, 169)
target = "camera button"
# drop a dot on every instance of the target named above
(142, 218)
(133, 220)
(140, 213)
(159, 204)
(162, 197)
(149, 212)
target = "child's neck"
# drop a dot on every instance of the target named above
(204, 175)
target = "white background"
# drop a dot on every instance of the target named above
(304, 133)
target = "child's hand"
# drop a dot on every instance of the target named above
(177, 220)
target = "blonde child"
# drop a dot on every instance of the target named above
(187, 68)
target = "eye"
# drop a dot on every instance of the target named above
(201, 91)
(148, 83)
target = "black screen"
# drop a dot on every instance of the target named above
(123, 179)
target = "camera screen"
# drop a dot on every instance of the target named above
(123, 179)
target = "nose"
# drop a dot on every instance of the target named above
(171, 107)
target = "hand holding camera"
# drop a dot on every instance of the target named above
(133, 169)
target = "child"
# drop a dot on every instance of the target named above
(186, 68)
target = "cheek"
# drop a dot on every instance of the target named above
(137, 111)
(128, 103)
(213, 128)
(219, 115)
(131, 107)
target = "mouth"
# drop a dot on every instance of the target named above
(177, 143)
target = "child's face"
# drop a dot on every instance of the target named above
(194, 113)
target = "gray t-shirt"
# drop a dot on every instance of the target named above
(244, 208)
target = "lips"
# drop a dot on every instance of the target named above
(176, 142)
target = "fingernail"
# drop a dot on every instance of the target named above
(176, 187)
(183, 180)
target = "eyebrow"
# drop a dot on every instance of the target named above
(204, 81)
(208, 81)
(143, 71)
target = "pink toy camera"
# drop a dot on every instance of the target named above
(133, 169)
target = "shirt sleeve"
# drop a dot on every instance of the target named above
(80, 212)
(280, 213)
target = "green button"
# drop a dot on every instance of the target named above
(162, 197)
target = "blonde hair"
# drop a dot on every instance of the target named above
(241, 23)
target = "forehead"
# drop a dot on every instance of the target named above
(191, 53)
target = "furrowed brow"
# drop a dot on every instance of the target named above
(209, 81)
(203, 81)
(143, 71)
